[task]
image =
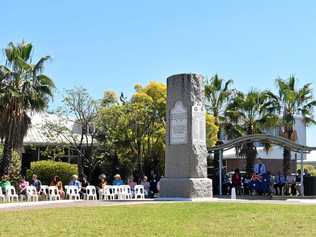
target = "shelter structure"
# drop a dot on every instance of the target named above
(276, 140)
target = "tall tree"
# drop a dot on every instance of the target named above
(247, 114)
(292, 103)
(23, 89)
(80, 107)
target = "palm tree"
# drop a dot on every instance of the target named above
(246, 115)
(290, 104)
(217, 93)
(23, 89)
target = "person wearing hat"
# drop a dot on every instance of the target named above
(117, 180)
(74, 181)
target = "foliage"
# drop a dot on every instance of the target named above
(46, 169)
(133, 132)
(170, 219)
(211, 130)
(310, 169)
(290, 103)
(245, 115)
(23, 89)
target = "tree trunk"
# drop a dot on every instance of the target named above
(251, 154)
(7, 157)
(287, 153)
(80, 167)
(286, 161)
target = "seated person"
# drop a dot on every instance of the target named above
(236, 181)
(146, 185)
(23, 184)
(36, 183)
(266, 183)
(74, 181)
(58, 183)
(260, 168)
(131, 183)
(117, 180)
(84, 184)
(102, 184)
(5, 183)
(255, 184)
(279, 183)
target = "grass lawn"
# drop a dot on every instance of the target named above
(174, 219)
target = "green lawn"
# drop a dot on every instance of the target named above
(181, 219)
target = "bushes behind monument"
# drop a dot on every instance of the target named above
(47, 169)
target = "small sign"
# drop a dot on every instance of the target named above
(198, 124)
(178, 124)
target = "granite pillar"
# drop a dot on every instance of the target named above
(186, 153)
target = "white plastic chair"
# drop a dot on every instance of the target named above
(2, 197)
(139, 192)
(106, 193)
(125, 192)
(73, 192)
(90, 193)
(53, 193)
(11, 194)
(44, 191)
(115, 192)
(31, 194)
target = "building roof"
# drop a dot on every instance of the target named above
(40, 134)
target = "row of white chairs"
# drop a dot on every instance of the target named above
(121, 192)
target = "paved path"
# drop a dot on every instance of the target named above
(83, 203)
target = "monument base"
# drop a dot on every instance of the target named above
(186, 188)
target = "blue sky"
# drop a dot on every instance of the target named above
(112, 45)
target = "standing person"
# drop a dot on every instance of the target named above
(117, 180)
(58, 183)
(236, 181)
(260, 168)
(23, 184)
(36, 183)
(5, 183)
(153, 185)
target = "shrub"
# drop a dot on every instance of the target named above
(47, 169)
(310, 169)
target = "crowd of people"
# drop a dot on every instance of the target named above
(262, 182)
(151, 187)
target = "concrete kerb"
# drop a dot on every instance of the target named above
(84, 203)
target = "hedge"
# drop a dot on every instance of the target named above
(47, 169)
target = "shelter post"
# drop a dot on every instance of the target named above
(220, 166)
(302, 174)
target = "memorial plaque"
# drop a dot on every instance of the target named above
(178, 124)
(198, 124)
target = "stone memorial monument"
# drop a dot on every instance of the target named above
(186, 153)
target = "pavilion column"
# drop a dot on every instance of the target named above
(220, 167)
(302, 175)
